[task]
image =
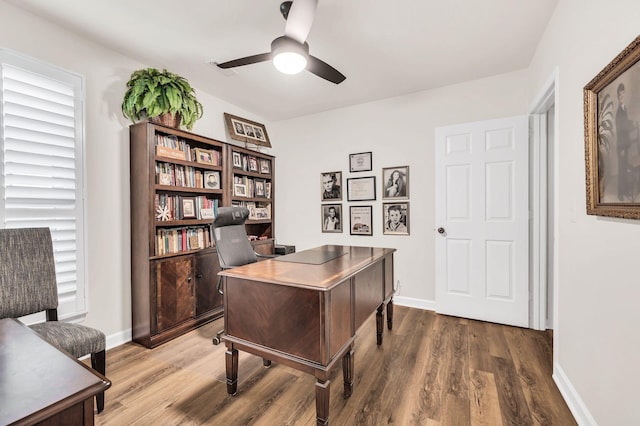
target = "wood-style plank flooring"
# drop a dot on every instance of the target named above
(431, 370)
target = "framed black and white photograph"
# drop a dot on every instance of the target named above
(360, 162)
(260, 190)
(395, 181)
(188, 207)
(331, 186)
(360, 220)
(245, 130)
(395, 218)
(331, 217)
(265, 166)
(237, 159)
(253, 164)
(361, 189)
(239, 190)
(212, 179)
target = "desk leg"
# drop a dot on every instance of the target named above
(379, 322)
(322, 402)
(232, 370)
(347, 372)
(390, 314)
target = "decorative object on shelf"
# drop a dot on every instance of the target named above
(205, 156)
(395, 218)
(360, 162)
(163, 97)
(331, 186)
(361, 220)
(396, 182)
(331, 217)
(247, 131)
(613, 163)
(212, 179)
(361, 189)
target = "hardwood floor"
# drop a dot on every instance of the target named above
(431, 370)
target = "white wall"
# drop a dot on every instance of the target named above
(597, 342)
(107, 154)
(398, 131)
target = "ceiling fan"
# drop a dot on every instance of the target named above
(290, 53)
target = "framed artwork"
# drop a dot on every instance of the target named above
(260, 190)
(237, 159)
(331, 186)
(612, 140)
(253, 164)
(360, 162)
(265, 166)
(212, 179)
(360, 220)
(239, 190)
(267, 189)
(204, 156)
(245, 130)
(331, 217)
(361, 189)
(395, 218)
(395, 181)
(188, 207)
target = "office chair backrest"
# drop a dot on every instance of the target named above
(230, 237)
(27, 272)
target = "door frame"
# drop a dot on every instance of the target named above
(547, 97)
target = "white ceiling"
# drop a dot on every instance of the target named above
(385, 48)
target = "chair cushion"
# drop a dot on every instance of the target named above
(75, 339)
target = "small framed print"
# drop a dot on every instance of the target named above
(395, 218)
(361, 189)
(212, 179)
(360, 220)
(260, 190)
(237, 159)
(253, 164)
(360, 162)
(331, 217)
(248, 131)
(188, 207)
(265, 166)
(331, 186)
(204, 156)
(267, 190)
(396, 182)
(239, 190)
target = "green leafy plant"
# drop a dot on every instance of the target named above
(152, 93)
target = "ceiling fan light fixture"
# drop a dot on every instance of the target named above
(289, 56)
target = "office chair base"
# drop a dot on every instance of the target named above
(217, 339)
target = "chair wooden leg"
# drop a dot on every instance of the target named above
(99, 363)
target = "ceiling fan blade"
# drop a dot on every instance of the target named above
(246, 60)
(300, 19)
(324, 70)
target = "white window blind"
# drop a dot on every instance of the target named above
(42, 165)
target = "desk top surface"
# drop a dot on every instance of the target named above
(320, 268)
(35, 375)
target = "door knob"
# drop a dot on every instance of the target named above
(441, 230)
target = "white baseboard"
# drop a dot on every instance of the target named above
(119, 338)
(410, 302)
(574, 402)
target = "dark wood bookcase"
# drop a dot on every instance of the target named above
(174, 263)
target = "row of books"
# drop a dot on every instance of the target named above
(173, 147)
(187, 176)
(244, 186)
(176, 240)
(176, 207)
(257, 211)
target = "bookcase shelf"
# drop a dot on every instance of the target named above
(174, 263)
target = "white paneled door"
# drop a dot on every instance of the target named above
(482, 216)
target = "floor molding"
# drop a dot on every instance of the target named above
(572, 398)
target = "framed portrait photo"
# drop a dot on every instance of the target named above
(260, 188)
(360, 162)
(265, 166)
(204, 156)
(212, 179)
(188, 208)
(395, 182)
(245, 130)
(612, 139)
(361, 189)
(253, 164)
(360, 220)
(331, 217)
(331, 186)
(239, 190)
(395, 218)
(237, 159)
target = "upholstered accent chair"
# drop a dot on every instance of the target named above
(28, 285)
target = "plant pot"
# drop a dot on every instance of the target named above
(167, 119)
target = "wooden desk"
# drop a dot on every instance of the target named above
(304, 313)
(39, 383)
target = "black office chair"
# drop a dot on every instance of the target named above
(232, 244)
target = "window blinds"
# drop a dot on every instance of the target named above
(42, 167)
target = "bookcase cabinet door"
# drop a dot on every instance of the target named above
(207, 296)
(174, 291)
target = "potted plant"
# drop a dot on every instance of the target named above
(161, 96)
